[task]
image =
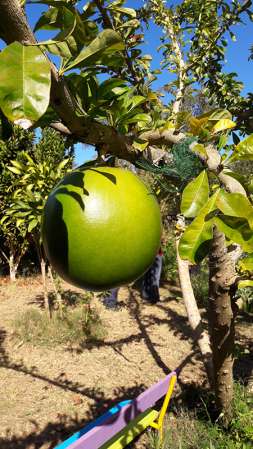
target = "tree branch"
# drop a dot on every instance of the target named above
(156, 137)
(14, 27)
(4, 255)
(164, 17)
(107, 23)
(58, 126)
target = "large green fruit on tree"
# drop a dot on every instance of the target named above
(101, 227)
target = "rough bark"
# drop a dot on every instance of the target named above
(199, 334)
(221, 322)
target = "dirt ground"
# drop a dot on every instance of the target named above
(47, 394)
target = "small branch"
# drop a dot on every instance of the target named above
(162, 138)
(247, 4)
(199, 333)
(107, 22)
(105, 17)
(4, 255)
(58, 126)
(164, 17)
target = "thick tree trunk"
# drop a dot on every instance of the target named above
(199, 334)
(221, 322)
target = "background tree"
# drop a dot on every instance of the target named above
(36, 175)
(13, 239)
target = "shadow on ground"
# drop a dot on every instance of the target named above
(56, 431)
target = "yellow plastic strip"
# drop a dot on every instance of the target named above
(132, 430)
(159, 424)
(166, 401)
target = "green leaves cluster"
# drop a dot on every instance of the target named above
(25, 78)
(232, 213)
(35, 181)
(30, 172)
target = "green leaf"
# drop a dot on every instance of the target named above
(128, 11)
(17, 164)
(199, 149)
(195, 240)
(134, 23)
(15, 170)
(235, 138)
(218, 114)
(222, 141)
(32, 224)
(106, 40)
(244, 150)
(245, 283)
(244, 180)
(20, 222)
(106, 88)
(62, 164)
(237, 230)
(120, 90)
(235, 205)
(139, 118)
(223, 125)
(140, 144)
(195, 195)
(25, 81)
(136, 101)
(246, 264)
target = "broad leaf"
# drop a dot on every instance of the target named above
(32, 224)
(223, 125)
(24, 83)
(246, 264)
(140, 144)
(244, 150)
(128, 11)
(195, 195)
(75, 32)
(15, 170)
(237, 230)
(106, 40)
(139, 118)
(245, 283)
(106, 88)
(218, 114)
(235, 205)
(195, 241)
(199, 149)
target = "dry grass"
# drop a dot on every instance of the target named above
(72, 328)
(47, 393)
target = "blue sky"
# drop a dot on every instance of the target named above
(237, 55)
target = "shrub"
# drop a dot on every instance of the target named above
(77, 326)
(245, 296)
(199, 278)
(169, 270)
